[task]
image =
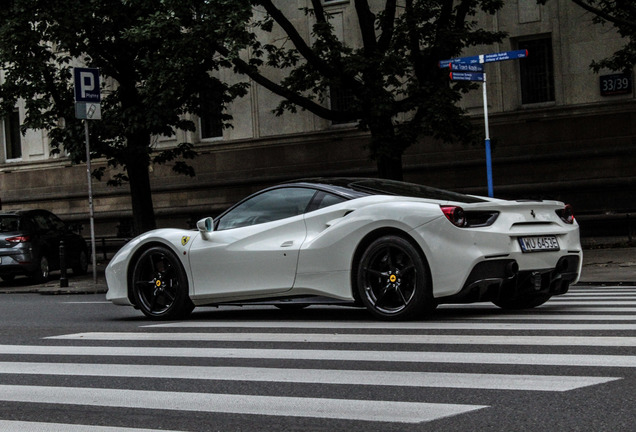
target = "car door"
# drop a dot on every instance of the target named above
(254, 247)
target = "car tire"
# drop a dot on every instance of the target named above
(80, 266)
(160, 285)
(43, 272)
(522, 302)
(392, 280)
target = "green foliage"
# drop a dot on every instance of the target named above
(393, 74)
(622, 15)
(156, 57)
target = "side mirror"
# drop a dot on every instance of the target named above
(206, 225)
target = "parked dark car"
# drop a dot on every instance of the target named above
(30, 245)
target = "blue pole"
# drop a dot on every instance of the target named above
(488, 156)
(489, 168)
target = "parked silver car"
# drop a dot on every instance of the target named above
(30, 245)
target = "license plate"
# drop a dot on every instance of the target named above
(539, 244)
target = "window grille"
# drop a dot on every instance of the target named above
(537, 71)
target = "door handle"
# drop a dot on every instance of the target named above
(288, 243)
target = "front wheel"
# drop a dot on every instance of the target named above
(160, 285)
(392, 279)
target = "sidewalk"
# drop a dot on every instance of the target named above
(614, 266)
(84, 284)
(609, 266)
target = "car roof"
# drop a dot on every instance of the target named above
(356, 187)
(22, 212)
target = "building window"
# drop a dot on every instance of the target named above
(12, 136)
(537, 71)
(341, 100)
(211, 120)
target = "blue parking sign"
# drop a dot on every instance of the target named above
(86, 82)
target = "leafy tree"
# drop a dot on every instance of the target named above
(398, 91)
(621, 14)
(157, 58)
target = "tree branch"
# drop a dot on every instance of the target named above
(298, 41)
(366, 20)
(293, 97)
(604, 15)
(388, 25)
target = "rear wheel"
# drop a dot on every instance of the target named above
(392, 279)
(160, 286)
(43, 271)
(80, 267)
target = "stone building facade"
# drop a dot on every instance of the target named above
(558, 130)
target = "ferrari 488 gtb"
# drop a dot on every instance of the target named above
(396, 248)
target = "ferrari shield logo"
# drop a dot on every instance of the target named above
(185, 240)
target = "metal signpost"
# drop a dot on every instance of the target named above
(472, 69)
(87, 107)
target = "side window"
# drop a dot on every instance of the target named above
(266, 207)
(56, 223)
(325, 199)
(41, 223)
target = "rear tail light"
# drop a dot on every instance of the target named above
(471, 218)
(566, 214)
(455, 214)
(18, 239)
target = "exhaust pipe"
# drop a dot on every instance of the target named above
(512, 269)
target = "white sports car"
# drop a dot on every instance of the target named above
(398, 249)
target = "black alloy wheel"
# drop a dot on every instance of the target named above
(160, 286)
(393, 280)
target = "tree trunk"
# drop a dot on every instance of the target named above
(390, 167)
(386, 148)
(137, 164)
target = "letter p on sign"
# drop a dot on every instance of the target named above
(86, 82)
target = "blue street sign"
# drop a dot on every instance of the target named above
(463, 60)
(462, 67)
(467, 76)
(486, 58)
(86, 82)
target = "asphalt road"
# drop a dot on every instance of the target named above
(75, 362)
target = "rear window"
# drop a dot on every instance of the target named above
(9, 223)
(391, 187)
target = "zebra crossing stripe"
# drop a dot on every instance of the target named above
(591, 301)
(349, 338)
(586, 360)
(345, 409)
(22, 426)
(600, 295)
(372, 325)
(592, 309)
(538, 317)
(312, 376)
